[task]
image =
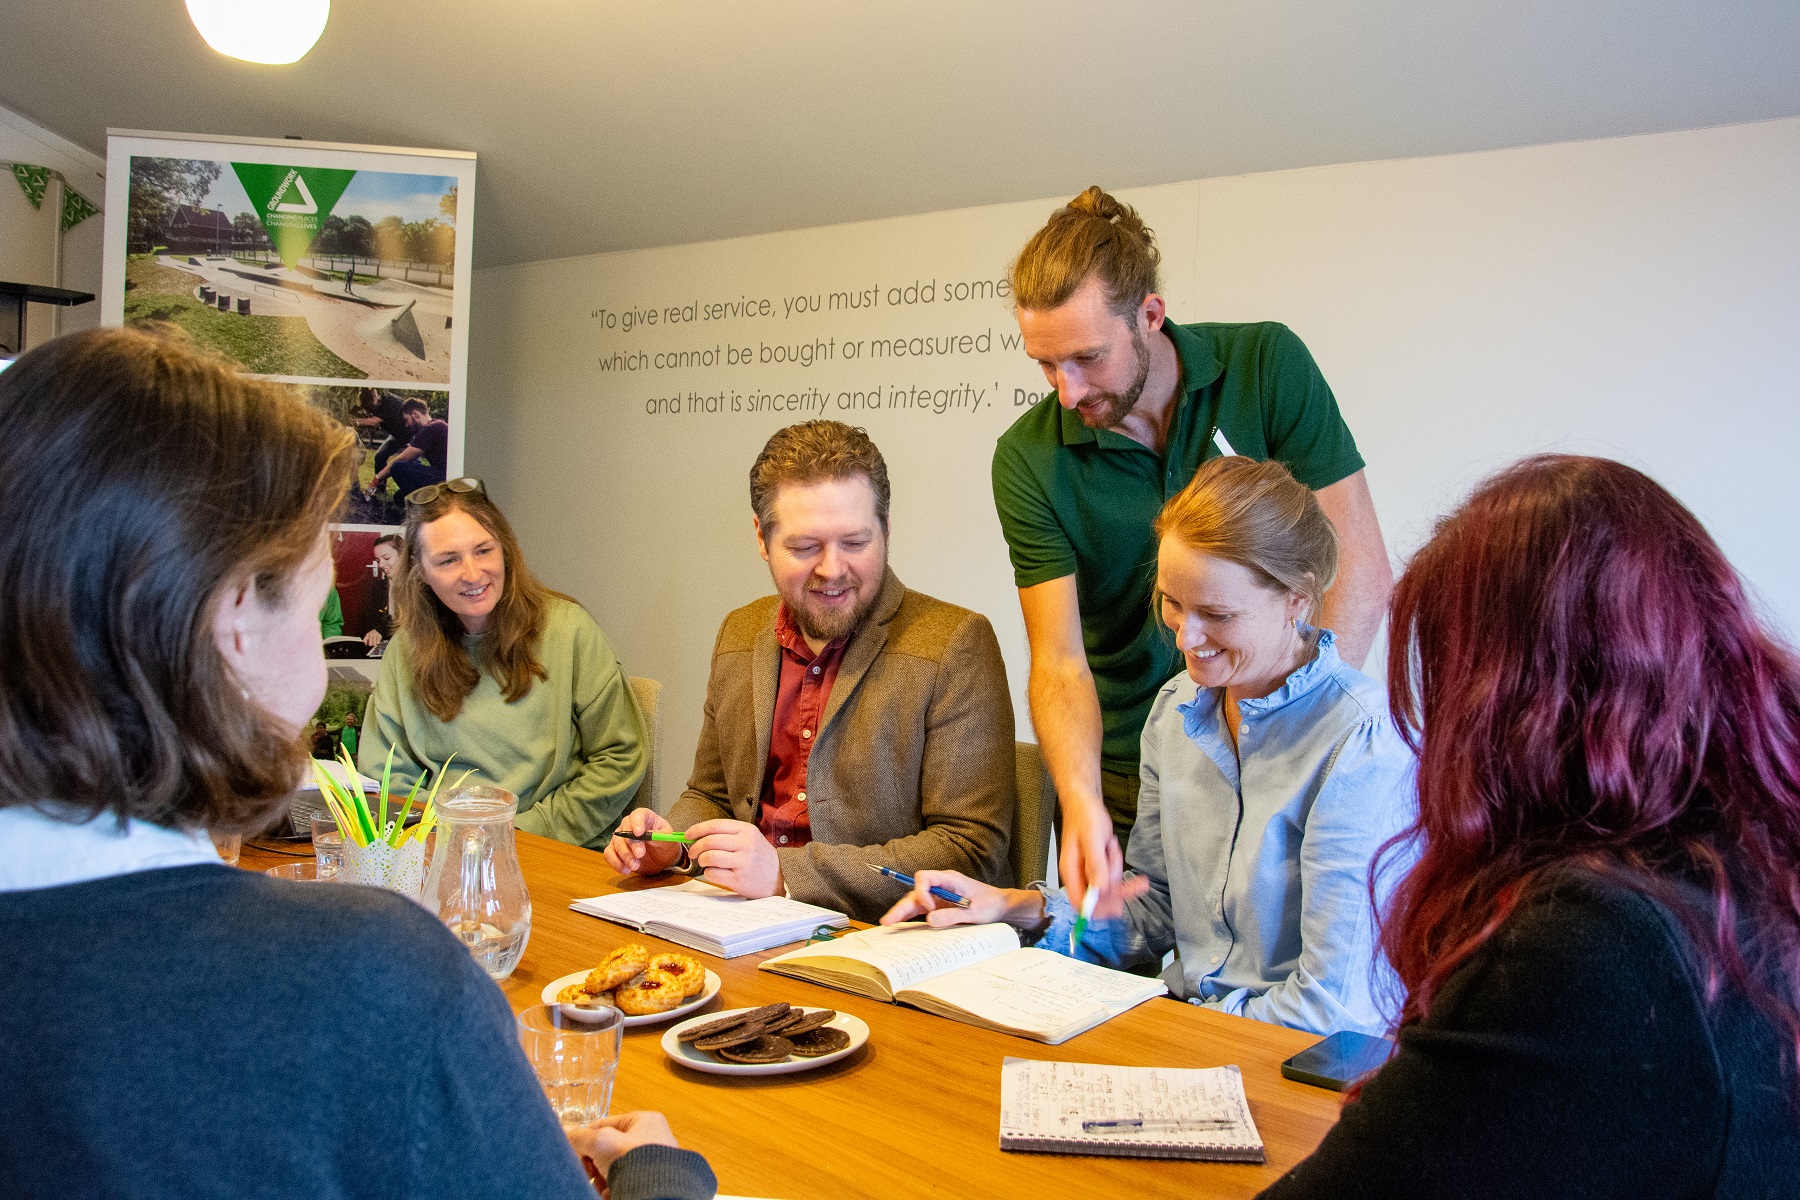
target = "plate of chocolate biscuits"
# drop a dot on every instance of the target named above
(776, 1039)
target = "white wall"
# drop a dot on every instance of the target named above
(28, 236)
(1637, 297)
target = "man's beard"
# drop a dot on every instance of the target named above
(832, 624)
(1117, 404)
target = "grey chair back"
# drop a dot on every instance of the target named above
(648, 693)
(1037, 811)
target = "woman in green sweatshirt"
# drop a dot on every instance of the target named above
(514, 678)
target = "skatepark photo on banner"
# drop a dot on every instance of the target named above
(359, 286)
(341, 270)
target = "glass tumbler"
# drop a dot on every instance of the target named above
(229, 846)
(574, 1055)
(300, 872)
(328, 845)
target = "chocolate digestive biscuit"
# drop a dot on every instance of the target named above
(815, 1043)
(766, 1048)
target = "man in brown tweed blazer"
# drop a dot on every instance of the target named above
(849, 720)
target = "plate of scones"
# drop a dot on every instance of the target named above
(648, 987)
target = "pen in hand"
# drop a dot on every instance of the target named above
(657, 836)
(944, 894)
(1088, 902)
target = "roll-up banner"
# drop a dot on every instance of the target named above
(339, 271)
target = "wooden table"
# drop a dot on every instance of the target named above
(916, 1111)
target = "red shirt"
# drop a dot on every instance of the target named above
(800, 695)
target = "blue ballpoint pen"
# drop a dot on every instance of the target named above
(1139, 1124)
(944, 894)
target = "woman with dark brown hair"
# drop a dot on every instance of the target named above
(1600, 943)
(514, 679)
(172, 1026)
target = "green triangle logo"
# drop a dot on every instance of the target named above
(292, 202)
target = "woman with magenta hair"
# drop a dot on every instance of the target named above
(1600, 942)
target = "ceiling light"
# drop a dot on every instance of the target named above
(260, 31)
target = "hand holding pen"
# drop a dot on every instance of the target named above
(635, 847)
(1131, 888)
(942, 893)
(1088, 903)
(969, 901)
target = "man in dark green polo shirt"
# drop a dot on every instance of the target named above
(1139, 403)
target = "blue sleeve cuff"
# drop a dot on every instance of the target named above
(1096, 943)
(1233, 1001)
(1062, 920)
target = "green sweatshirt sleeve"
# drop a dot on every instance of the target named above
(384, 725)
(586, 809)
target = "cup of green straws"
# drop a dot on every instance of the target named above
(380, 849)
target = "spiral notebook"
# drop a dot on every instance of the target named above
(1129, 1112)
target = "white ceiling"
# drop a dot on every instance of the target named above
(602, 125)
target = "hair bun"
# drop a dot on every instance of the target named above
(1093, 234)
(1096, 203)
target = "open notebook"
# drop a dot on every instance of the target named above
(710, 919)
(1131, 1112)
(977, 974)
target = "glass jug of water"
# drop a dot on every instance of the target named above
(475, 885)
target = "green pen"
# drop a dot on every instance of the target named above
(1084, 917)
(659, 836)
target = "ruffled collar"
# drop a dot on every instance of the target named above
(1304, 678)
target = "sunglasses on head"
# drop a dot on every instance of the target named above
(431, 491)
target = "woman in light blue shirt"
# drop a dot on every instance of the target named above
(1272, 774)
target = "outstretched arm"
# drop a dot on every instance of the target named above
(1065, 712)
(1357, 601)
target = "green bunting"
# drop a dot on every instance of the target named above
(34, 180)
(76, 208)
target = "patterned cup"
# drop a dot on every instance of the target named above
(381, 865)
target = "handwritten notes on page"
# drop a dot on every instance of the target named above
(1035, 993)
(1133, 1112)
(711, 919)
(972, 973)
(910, 953)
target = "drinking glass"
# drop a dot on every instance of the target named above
(328, 845)
(229, 846)
(300, 872)
(574, 1056)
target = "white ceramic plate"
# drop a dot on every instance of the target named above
(701, 1060)
(681, 1010)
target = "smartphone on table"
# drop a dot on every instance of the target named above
(1339, 1060)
